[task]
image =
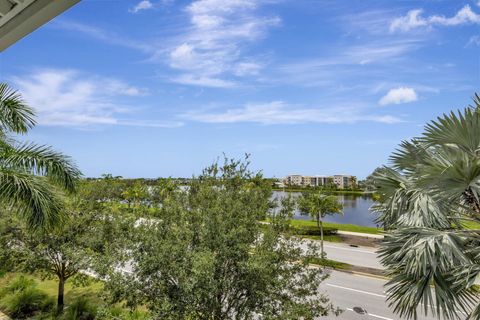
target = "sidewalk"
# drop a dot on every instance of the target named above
(3, 316)
(359, 234)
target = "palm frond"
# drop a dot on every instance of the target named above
(433, 186)
(41, 160)
(15, 115)
(32, 196)
(403, 204)
(461, 130)
(409, 155)
(416, 259)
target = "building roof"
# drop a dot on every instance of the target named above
(18, 18)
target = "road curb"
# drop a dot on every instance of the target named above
(370, 275)
(358, 273)
(362, 235)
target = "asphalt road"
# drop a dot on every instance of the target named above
(358, 256)
(348, 291)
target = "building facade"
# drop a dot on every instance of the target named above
(341, 181)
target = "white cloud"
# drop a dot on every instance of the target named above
(142, 5)
(247, 68)
(71, 98)
(399, 95)
(202, 81)
(279, 112)
(414, 20)
(212, 47)
(410, 21)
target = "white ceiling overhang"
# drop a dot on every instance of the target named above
(18, 18)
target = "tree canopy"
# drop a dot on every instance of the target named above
(205, 256)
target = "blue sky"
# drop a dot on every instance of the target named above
(164, 87)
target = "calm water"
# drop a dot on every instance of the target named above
(355, 209)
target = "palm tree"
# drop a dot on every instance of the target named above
(318, 205)
(430, 202)
(353, 182)
(31, 175)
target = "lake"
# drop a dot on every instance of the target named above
(355, 209)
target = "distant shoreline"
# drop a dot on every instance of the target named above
(340, 192)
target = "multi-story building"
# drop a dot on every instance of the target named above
(293, 180)
(321, 181)
(341, 181)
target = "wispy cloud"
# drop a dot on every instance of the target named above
(105, 36)
(191, 79)
(474, 41)
(142, 5)
(279, 112)
(71, 98)
(414, 19)
(211, 48)
(346, 64)
(399, 95)
(210, 51)
(373, 21)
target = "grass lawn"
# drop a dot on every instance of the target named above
(92, 291)
(339, 226)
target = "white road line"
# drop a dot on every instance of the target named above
(373, 315)
(348, 249)
(355, 290)
(376, 295)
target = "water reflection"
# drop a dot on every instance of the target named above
(355, 209)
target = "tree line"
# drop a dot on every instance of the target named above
(200, 253)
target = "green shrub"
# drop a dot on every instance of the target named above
(26, 301)
(315, 231)
(80, 309)
(17, 284)
(119, 313)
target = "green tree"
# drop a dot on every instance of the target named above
(207, 257)
(30, 174)
(319, 205)
(429, 200)
(134, 194)
(77, 244)
(331, 184)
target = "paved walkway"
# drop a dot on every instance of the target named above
(359, 234)
(3, 316)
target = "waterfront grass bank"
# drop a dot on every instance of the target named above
(339, 226)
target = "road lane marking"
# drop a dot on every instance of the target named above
(376, 295)
(373, 315)
(355, 290)
(354, 250)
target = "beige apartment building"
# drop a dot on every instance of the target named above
(293, 180)
(341, 181)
